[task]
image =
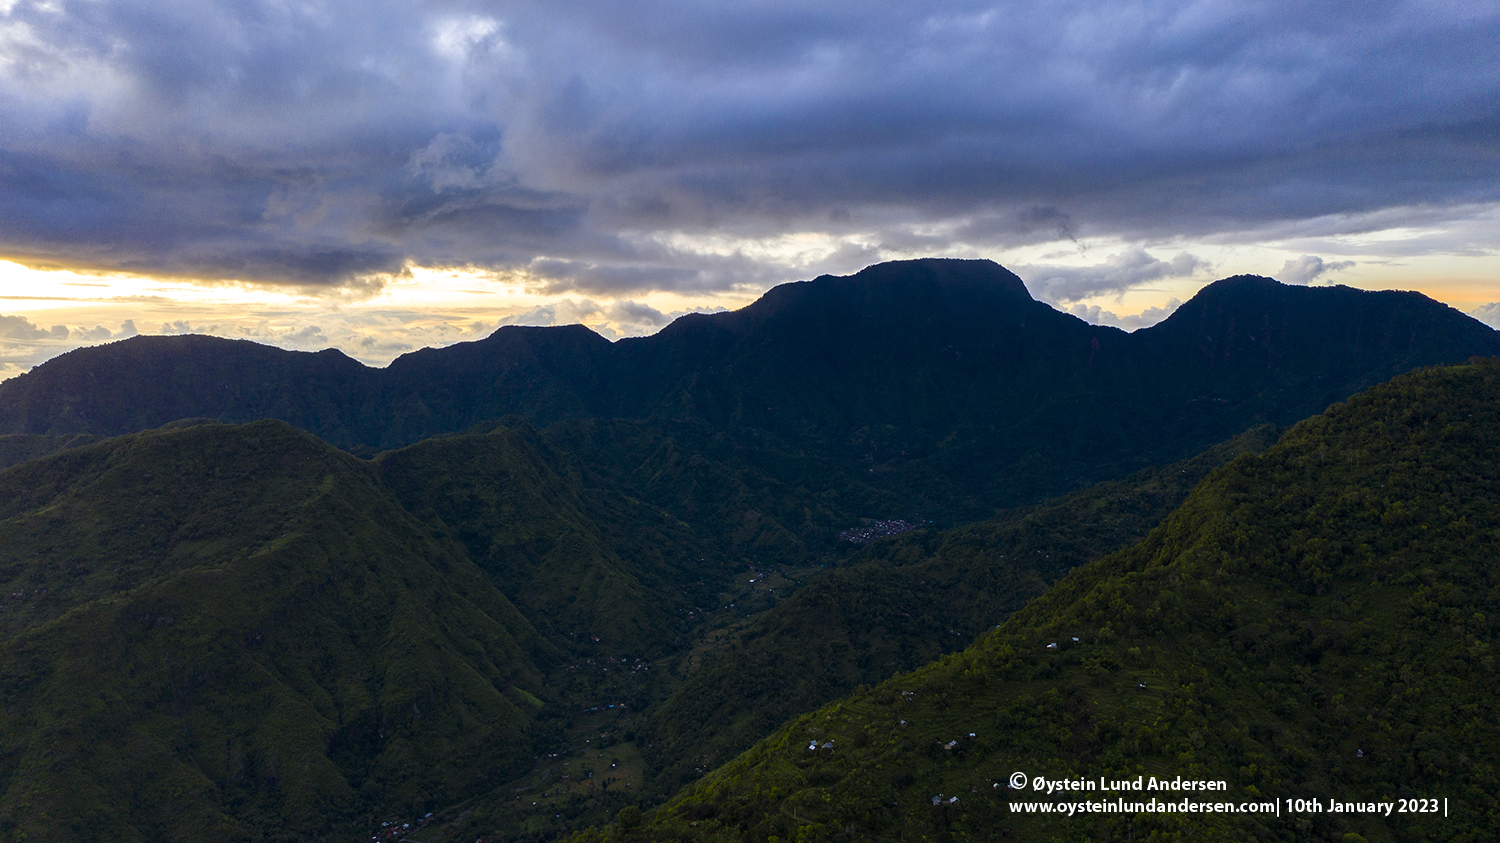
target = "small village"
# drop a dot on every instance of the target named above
(397, 828)
(874, 529)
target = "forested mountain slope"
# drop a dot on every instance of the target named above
(903, 602)
(583, 562)
(958, 392)
(1316, 622)
(234, 633)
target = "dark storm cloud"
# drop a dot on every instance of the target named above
(609, 147)
(559, 276)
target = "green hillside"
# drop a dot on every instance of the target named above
(776, 640)
(902, 602)
(749, 500)
(16, 448)
(1315, 622)
(232, 633)
(439, 630)
(584, 564)
(366, 575)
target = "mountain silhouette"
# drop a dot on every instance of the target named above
(919, 343)
(958, 391)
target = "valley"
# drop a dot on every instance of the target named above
(1311, 627)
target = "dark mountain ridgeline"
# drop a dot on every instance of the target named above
(146, 381)
(841, 351)
(1295, 350)
(959, 392)
(1314, 622)
(908, 344)
(540, 374)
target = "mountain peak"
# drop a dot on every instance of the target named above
(958, 273)
(881, 296)
(1322, 311)
(950, 275)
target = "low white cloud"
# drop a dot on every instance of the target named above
(1118, 273)
(25, 344)
(375, 346)
(306, 335)
(21, 328)
(1094, 314)
(1489, 314)
(539, 316)
(98, 333)
(566, 311)
(1306, 269)
(635, 313)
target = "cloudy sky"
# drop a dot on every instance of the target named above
(379, 176)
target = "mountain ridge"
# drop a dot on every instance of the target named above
(959, 392)
(884, 315)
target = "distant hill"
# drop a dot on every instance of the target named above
(938, 386)
(1314, 623)
(17, 448)
(148, 381)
